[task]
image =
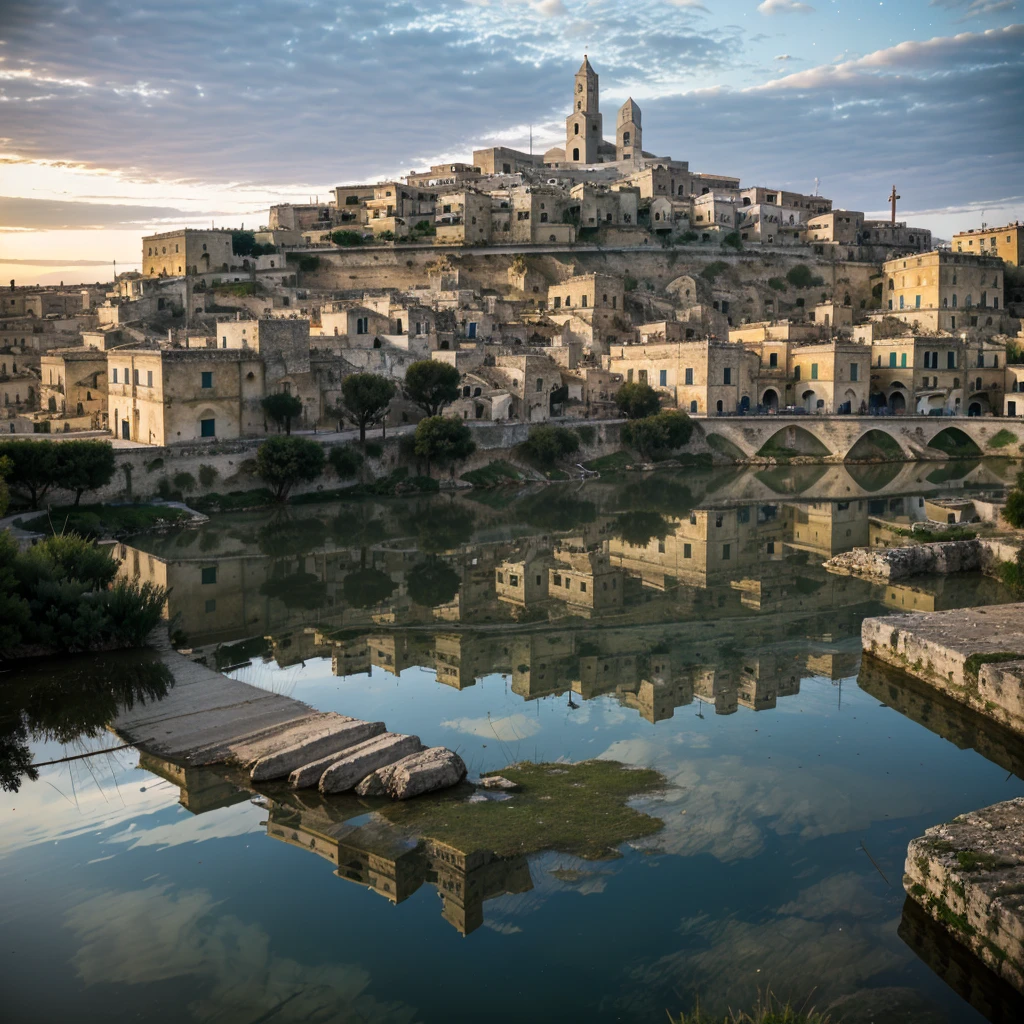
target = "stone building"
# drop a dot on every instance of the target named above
(842, 227)
(463, 218)
(73, 388)
(583, 127)
(628, 132)
(946, 291)
(1006, 242)
(188, 251)
(600, 206)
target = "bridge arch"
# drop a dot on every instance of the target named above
(954, 442)
(770, 400)
(792, 439)
(876, 443)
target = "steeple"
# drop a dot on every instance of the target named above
(583, 125)
(628, 133)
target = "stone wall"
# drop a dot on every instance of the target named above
(940, 558)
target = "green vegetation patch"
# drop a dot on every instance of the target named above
(725, 447)
(955, 443)
(876, 444)
(932, 536)
(777, 284)
(972, 666)
(93, 521)
(233, 501)
(615, 462)
(768, 1011)
(714, 269)
(494, 474)
(971, 860)
(1002, 439)
(579, 809)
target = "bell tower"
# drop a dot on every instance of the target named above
(629, 133)
(583, 125)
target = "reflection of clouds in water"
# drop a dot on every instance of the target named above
(223, 823)
(53, 809)
(833, 938)
(728, 802)
(151, 935)
(507, 729)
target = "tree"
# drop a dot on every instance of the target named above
(5, 468)
(366, 397)
(282, 408)
(443, 440)
(664, 432)
(637, 400)
(282, 462)
(432, 385)
(1014, 511)
(243, 242)
(639, 527)
(33, 468)
(432, 583)
(366, 587)
(346, 238)
(548, 444)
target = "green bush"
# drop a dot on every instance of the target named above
(732, 241)
(662, 433)
(207, 474)
(1002, 439)
(713, 270)
(345, 460)
(800, 276)
(443, 440)
(688, 236)
(629, 283)
(346, 238)
(777, 284)
(309, 264)
(1012, 573)
(587, 433)
(282, 462)
(636, 400)
(373, 449)
(184, 482)
(547, 444)
(1014, 511)
(165, 490)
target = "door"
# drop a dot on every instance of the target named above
(125, 431)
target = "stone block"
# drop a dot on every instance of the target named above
(309, 774)
(423, 772)
(319, 742)
(366, 758)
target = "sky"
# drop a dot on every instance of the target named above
(121, 117)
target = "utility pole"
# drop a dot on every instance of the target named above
(892, 199)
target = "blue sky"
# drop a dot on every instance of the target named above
(117, 116)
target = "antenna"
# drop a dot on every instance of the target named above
(817, 185)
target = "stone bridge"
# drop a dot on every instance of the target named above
(839, 434)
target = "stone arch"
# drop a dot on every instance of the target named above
(878, 443)
(792, 440)
(954, 442)
(770, 400)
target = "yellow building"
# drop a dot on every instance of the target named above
(188, 251)
(1006, 242)
(945, 291)
(73, 387)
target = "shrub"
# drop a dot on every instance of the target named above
(282, 462)
(800, 276)
(184, 482)
(629, 283)
(443, 440)
(346, 238)
(345, 459)
(663, 432)
(154, 465)
(309, 264)
(732, 241)
(587, 434)
(1014, 511)
(637, 400)
(688, 236)
(373, 449)
(547, 444)
(777, 284)
(207, 474)
(713, 269)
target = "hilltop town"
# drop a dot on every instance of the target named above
(547, 281)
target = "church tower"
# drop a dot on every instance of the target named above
(628, 133)
(583, 125)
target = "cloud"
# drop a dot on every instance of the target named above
(977, 8)
(507, 729)
(55, 214)
(783, 56)
(784, 7)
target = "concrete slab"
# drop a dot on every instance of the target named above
(365, 759)
(318, 742)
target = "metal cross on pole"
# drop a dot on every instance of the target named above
(892, 199)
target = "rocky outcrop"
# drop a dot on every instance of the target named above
(366, 758)
(939, 558)
(968, 875)
(974, 655)
(422, 772)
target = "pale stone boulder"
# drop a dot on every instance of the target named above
(317, 743)
(424, 772)
(365, 758)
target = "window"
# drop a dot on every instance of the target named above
(207, 378)
(727, 375)
(135, 377)
(854, 371)
(770, 547)
(663, 377)
(540, 384)
(796, 372)
(362, 325)
(743, 514)
(149, 378)
(687, 551)
(575, 154)
(688, 378)
(126, 375)
(917, 301)
(209, 574)
(814, 371)
(557, 579)
(892, 358)
(513, 580)
(114, 377)
(471, 329)
(726, 551)
(583, 587)
(500, 576)
(773, 359)
(719, 519)
(207, 428)
(693, 407)
(903, 359)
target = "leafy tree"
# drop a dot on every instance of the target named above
(664, 432)
(366, 397)
(5, 496)
(346, 238)
(548, 444)
(282, 408)
(442, 439)
(243, 242)
(800, 276)
(282, 462)
(432, 583)
(1014, 511)
(432, 385)
(345, 459)
(296, 590)
(84, 465)
(436, 533)
(33, 467)
(638, 527)
(14, 609)
(637, 400)
(367, 587)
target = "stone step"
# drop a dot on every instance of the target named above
(309, 774)
(422, 772)
(365, 759)
(309, 745)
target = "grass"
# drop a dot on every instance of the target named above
(91, 521)
(579, 809)
(1002, 439)
(876, 444)
(233, 501)
(932, 536)
(494, 474)
(955, 444)
(972, 666)
(768, 1011)
(610, 463)
(971, 860)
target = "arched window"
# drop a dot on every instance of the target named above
(540, 384)
(693, 407)
(575, 154)
(576, 129)
(625, 138)
(466, 391)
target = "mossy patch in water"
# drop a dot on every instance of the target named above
(580, 809)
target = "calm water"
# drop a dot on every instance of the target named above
(678, 622)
